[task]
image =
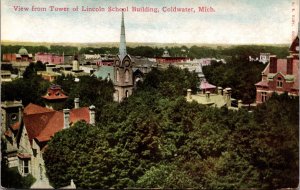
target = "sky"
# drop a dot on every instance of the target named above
(232, 22)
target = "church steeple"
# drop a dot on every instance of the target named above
(122, 47)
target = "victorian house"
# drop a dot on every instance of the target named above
(27, 131)
(280, 75)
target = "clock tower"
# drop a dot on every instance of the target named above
(123, 81)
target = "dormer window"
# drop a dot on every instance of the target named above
(279, 82)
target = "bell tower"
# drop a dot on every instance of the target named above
(123, 82)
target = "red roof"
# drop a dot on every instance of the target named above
(262, 83)
(80, 114)
(42, 123)
(206, 85)
(35, 109)
(55, 93)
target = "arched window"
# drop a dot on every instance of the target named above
(126, 76)
(127, 94)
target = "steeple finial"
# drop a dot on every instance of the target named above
(122, 47)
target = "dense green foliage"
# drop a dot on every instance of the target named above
(238, 74)
(89, 89)
(156, 140)
(29, 89)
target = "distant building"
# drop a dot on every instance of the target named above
(193, 67)
(167, 59)
(6, 76)
(264, 58)
(49, 58)
(105, 72)
(210, 98)
(21, 56)
(97, 59)
(55, 97)
(280, 75)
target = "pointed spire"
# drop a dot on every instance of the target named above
(122, 47)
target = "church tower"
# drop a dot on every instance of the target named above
(123, 82)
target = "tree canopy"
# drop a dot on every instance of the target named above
(156, 140)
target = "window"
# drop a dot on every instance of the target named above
(24, 166)
(118, 75)
(279, 82)
(126, 76)
(263, 96)
(126, 94)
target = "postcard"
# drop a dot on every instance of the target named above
(104, 94)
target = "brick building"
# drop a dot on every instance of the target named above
(21, 56)
(280, 75)
(49, 58)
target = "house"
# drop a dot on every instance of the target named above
(208, 96)
(280, 76)
(27, 133)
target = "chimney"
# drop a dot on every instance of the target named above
(189, 94)
(240, 103)
(66, 118)
(207, 95)
(273, 64)
(76, 103)
(220, 90)
(92, 114)
(225, 94)
(289, 65)
(228, 101)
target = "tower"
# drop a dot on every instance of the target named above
(123, 82)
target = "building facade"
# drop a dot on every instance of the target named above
(27, 132)
(280, 76)
(21, 56)
(49, 58)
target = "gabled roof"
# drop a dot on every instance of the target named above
(282, 69)
(42, 123)
(262, 83)
(35, 109)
